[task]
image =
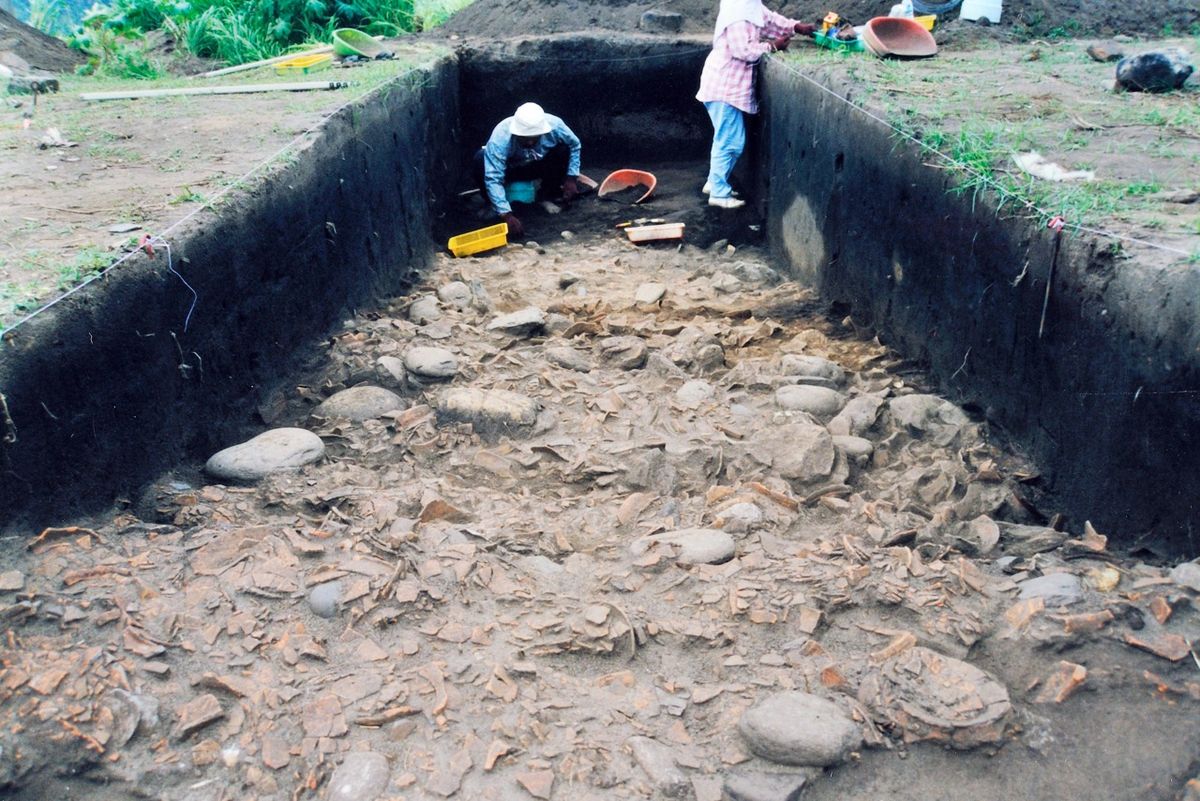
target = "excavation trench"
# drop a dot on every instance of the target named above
(109, 389)
(581, 546)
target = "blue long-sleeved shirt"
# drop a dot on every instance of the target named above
(503, 150)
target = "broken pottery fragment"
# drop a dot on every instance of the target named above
(272, 451)
(924, 695)
(797, 728)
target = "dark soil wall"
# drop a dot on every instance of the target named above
(107, 390)
(1105, 401)
(623, 96)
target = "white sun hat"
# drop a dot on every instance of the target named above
(529, 120)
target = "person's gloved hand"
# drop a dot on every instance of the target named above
(570, 188)
(514, 225)
(781, 43)
(805, 29)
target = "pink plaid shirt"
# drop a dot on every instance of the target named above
(729, 69)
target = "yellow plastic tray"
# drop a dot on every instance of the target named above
(302, 65)
(490, 238)
(927, 21)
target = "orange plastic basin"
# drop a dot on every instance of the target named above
(623, 179)
(898, 36)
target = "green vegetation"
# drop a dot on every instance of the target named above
(123, 38)
(974, 112)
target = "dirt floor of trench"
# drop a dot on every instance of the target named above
(505, 609)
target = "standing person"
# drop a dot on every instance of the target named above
(529, 145)
(727, 83)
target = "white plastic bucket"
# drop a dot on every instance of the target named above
(973, 10)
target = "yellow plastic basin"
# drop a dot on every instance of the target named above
(480, 241)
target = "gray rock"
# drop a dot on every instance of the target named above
(569, 358)
(362, 776)
(796, 728)
(538, 565)
(1019, 540)
(800, 452)
(754, 273)
(696, 351)
(1186, 575)
(1156, 71)
(481, 301)
(856, 417)
(489, 410)
(658, 762)
(557, 323)
(279, 449)
(741, 517)
(820, 402)
(724, 283)
(456, 294)
(799, 364)
(425, 310)
(758, 786)
(390, 371)
(1057, 589)
(360, 403)
(695, 546)
(927, 414)
(325, 600)
(656, 21)
(627, 352)
(857, 449)
(1106, 51)
(650, 293)
(523, 323)
(693, 393)
(427, 362)
(565, 280)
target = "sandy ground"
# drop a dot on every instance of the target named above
(505, 610)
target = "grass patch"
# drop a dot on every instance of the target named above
(976, 110)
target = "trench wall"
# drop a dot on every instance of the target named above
(108, 390)
(628, 98)
(1105, 400)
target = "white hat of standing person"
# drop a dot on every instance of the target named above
(529, 120)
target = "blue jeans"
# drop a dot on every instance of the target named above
(729, 140)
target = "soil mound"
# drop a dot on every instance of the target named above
(23, 47)
(498, 18)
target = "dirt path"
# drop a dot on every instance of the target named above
(504, 609)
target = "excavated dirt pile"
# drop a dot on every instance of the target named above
(583, 520)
